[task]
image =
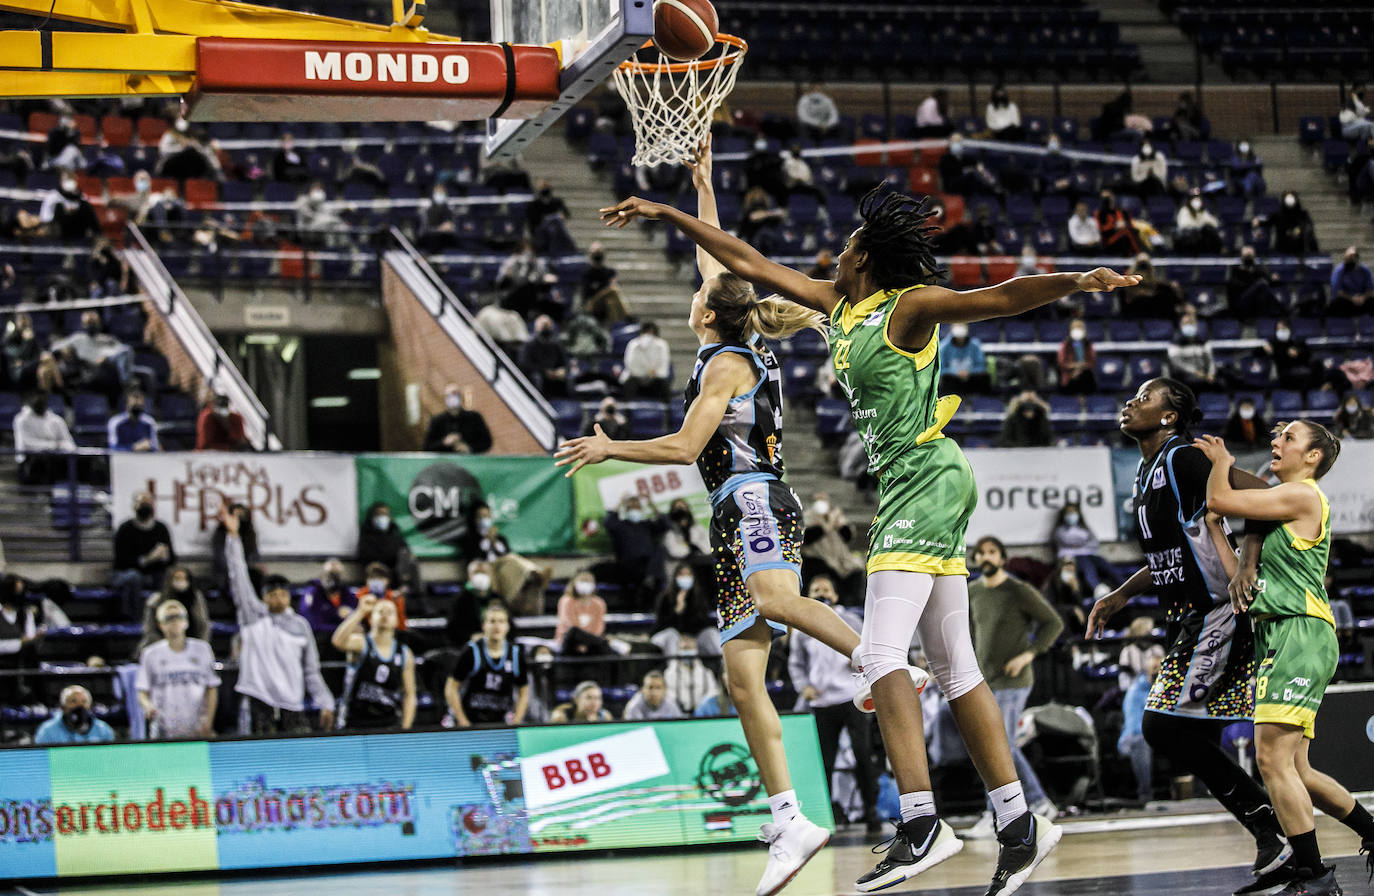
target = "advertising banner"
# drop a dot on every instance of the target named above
(169, 807)
(601, 487)
(1350, 488)
(1020, 490)
(1344, 746)
(303, 503)
(432, 498)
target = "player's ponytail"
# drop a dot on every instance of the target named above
(741, 314)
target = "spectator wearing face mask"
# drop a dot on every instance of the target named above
(1353, 420)
(464, 620)
(1190, 356)
(682, 611)
(177, 685)
(380, 539)
(1294, 231)
(1114, 227)
(825, 549)
(1002, 116)
(817, 113)
(1083, 231)
(636, 531)
(600, 294)
(581, 626)
(438, 229)
(543, 205)
(327, 600)
(73, 723)
(1294, 366)
(317, 219)
(377, 575)
(66, 212)
(142, 553)
(219, 428)
(133, 429)
(1149, 171)
(612, 422)
(1352, 285)
(1196, 230)
(1066, 591)
(1246, 428)
(38, 429)
(1071, 537)
(105, 363)
(648, 364)
(1027, 423)
(19, 637)
(1246, 170)
(1250, 288)
(652, 702)
(963, 364)
(458, 429)
(1076, 361)
(483, 540)
(179, 586)
(544, 360)
(685, 538)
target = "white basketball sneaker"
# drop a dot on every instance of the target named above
(864, 699)
(790, 846)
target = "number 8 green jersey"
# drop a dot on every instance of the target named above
(1293, 570)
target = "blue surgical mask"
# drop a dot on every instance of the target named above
(1072, 518)
(685, 583)
(1189, 330)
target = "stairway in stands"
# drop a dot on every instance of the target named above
(1290, 166)
(1165, 52)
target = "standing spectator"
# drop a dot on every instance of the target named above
(465, 613)
(1065, 591)
(1357, 123)
(1003, 613)
(67, 213)
(524, 280)
(1353, 420)
(648, 364)
(612, 422)
(1250, 288)
(178, 586)
(1190, 356)
(377, 585)
(142, 554)
(278, 661)
(586, 706)
(1083, 231)
(457, 429)
(544, 361)
(1071, 537)
(1149, 171)
(544, 204)
(1352, 285)
(636, 534)
(289, 165)
(490, 684)
(1027, 423)
(1132, 742)
(379, 687)
(681, 614)
(248, 537)
(1294, 231)
(825, 682)
(41, 437)
(327, 600)
(219, 428)
(685, 538)
(817, 113)
(18, 635)
(1077, 361)
(963, 365)
(600, 294)
(134, 429)
(1246, 428)
(825, 549)
(178, 688)
(1196, 230)
(932, 115)
(73, 723)
(1002, 116)
(1114, 227)
(652, 702)
(1294, 367)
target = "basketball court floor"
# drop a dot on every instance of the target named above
(1199, 855)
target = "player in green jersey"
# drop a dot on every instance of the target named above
(885, 315)
(1295, 638)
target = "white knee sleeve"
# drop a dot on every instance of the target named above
(946, 639)
(892, 610)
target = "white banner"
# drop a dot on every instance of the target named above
(592, 767)
(302, 503)
(1020, 491)
(1349, 487)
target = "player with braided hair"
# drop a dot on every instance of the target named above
(885, 313)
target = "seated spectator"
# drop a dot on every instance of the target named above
(73, 722)
(49, 375)
(963, 365)
(932, 115)
(380, 541)
(489, 685)
(612, 422)
(41, 437)
(106, 363)
(652, 701)
(1250, 288)
(1027, 423)
(586, 340)
(543, 205)
(585, 706)
(107, 271)
(1132, 742)
(1149, 172)
(1190, 356)
(67, 214)
(64, 137)
(685, 539)
(1002, 116)
(1139, 648)
(505, 327)
(143, 553)
(648, 365)
(457, 429)
(760, 216)
(183, 155)
(797, 176)
(1077, 361)
(1083, 230)
(219, 428)
(1246, 428)
(379, 687)
(328, 600)
(1196, 230)
(177, 685)
(1114, 227)
(718, 704)
(317, 219)
(598, 290)
(141, 202)
(1353, 420)
(1146, 233)
(1188, 121)
(248, 537)
(465, 613)
(824, 266)
(1070, 597)
(544, 361)
(825, 549)
(1357, 122)
(356, 170)
(1152, 296)
(1028, 264)
(1247, 171)
(524, 280)
(289, 165)
(1359, 172)
(636, 529)
(377, 576)
(1294, 366)
(133, 429)
(21, 345)
(682, 613)
(1352, 285)
(1111, 120)
(438, 226)
(19, 635)
(483, 539)
(278, 660)
(581, 626)
(817, 113)
(1071, 537)
(1294, 231)
(177, 585)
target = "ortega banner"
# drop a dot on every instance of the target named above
(433, 496)
(1020, 491)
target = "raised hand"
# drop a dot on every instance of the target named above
(1214, 448)
(592, 449)
(701, 165)
(1105, 280)
(624, 212)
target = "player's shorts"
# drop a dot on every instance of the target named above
(925, 499)
(1297, 658)
(757, 527)
(1206, 671)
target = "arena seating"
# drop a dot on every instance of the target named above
(1277, 40)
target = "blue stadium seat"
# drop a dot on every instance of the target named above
(832, 419)
(1285, 403)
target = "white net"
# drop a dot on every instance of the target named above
(671, 103)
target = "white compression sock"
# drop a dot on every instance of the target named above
(1009, 802)
(784, 806)
(916, 804)
(856, 659)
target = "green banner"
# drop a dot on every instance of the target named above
(601, 487)
(432, 497)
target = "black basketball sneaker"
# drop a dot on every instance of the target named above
(1023, 844)
(917, 845)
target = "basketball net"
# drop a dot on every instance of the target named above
(672, 103)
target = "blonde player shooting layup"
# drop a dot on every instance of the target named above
(884, 344)
(1295, 639)
(733, 430)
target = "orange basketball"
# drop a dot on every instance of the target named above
(684, 29)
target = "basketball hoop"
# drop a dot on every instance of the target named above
(671, 103)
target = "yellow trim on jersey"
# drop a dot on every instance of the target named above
(1306, 544)
(945, 406)
(852, 315)
(1318, 608)
(905, 561)
(1297, 716)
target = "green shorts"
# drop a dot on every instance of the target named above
(925, 499)
(1297, 657)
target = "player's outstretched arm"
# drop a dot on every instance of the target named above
(707, 212)
(738, 256)
(936, 305)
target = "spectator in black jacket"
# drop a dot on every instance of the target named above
(636, 532)
(1027, 423)
(289, 164)
(1247, 428)
(142, 553)
(380, 541)
(1250, 288)
(457, 428)
(1294, 367)
(1294, 232)
(610, 419)
(465, 613)
(542, 205)
(544, 360)
(248, 536)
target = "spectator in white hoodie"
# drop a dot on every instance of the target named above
(278, 660)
